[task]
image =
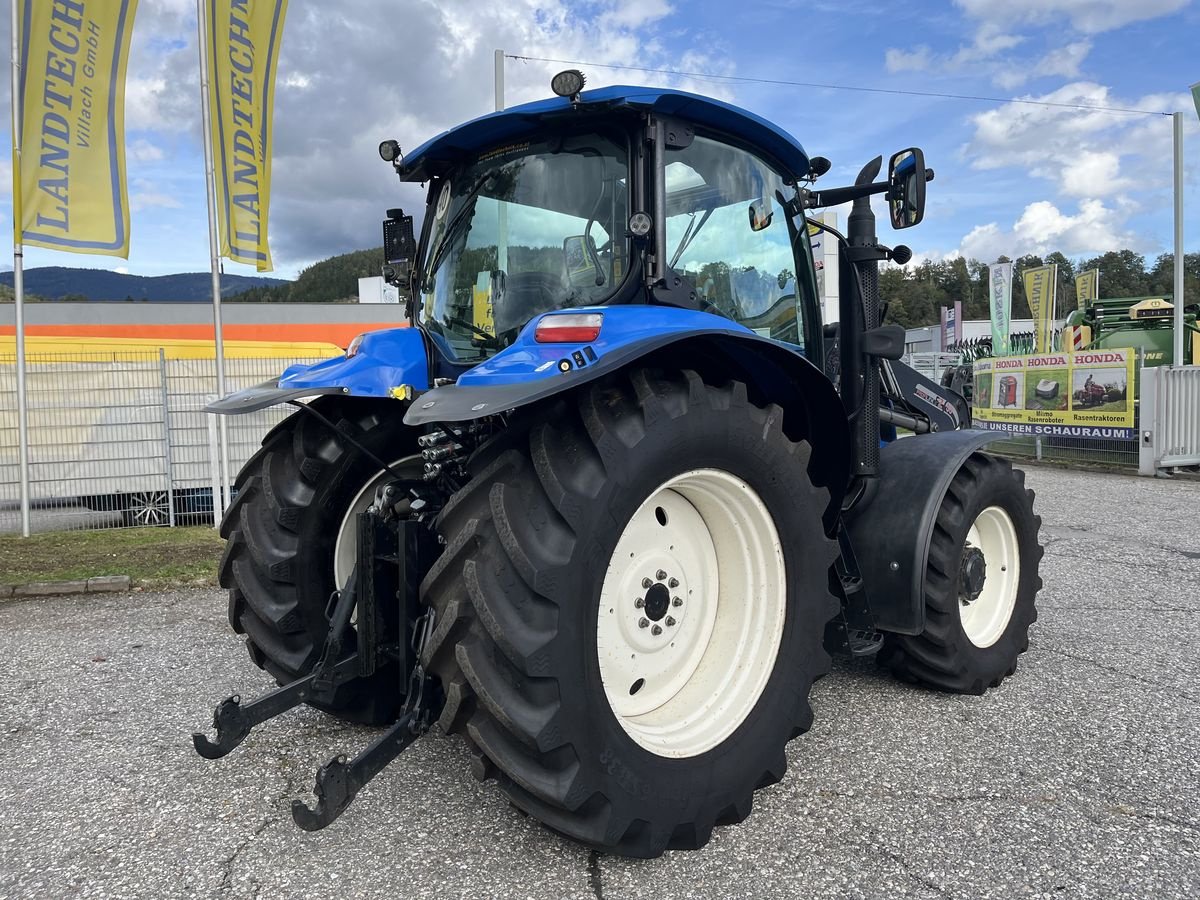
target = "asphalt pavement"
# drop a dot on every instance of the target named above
(1079, 777)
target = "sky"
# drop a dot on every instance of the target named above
(1012, 178)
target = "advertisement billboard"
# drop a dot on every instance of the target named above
(1083, 394)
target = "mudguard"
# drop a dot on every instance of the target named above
(891, 533)
(384, 363)
(528, 372)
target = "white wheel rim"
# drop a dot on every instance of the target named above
(707, 547)
(986, 617)
(345, 548)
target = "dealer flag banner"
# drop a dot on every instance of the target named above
(71, 182)
(1196, 96)
(243, 54)
(1000, 282)
(1040, 285)
(1087, 287)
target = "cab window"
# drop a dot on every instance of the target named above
(731, 240)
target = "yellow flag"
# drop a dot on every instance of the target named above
(1087, 287)
(71, 177)
(243, 53)
(1040, 287)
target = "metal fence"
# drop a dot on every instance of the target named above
(1170, 435)
(120, 439)
(1109, 452)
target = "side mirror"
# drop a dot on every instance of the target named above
(906, 188)
(399, 246)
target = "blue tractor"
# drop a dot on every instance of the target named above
(608, 504)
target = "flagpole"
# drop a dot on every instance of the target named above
(219, 504)
(19, 275)
(1177, 348)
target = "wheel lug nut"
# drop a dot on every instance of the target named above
(639, 602)
(676, 601)
(670, 621)
(643, 622)
(660, 575)
(646, 582)
(673, 583)
(656, 630)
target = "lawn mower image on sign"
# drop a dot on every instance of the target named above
(600, 509)
(1047, 389)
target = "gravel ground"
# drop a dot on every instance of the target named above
(1079, 777)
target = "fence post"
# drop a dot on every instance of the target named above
(214, 459)
(1148, 421)
(168, 454)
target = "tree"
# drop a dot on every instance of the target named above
(1162, 276)
(1122, 273)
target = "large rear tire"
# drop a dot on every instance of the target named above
(295, 497)
(566, 554)
(981, 583)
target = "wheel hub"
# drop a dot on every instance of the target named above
(988, 576)
(972, 574)
(658, 601)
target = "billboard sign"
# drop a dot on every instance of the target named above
(1083, 394)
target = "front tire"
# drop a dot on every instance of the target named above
(981, 583)
(537, 594)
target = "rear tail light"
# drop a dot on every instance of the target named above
(571, 328)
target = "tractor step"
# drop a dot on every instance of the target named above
(865, 643)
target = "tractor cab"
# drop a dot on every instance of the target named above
(619, 196)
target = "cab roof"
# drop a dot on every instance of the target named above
(469, 140)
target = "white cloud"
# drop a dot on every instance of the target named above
(1082, 152)
(1087, 16)
(142, 150)
(1064, 62)
(636, 13)
(918, 59)
(1043, 228)
(988, 43)
(145, 194)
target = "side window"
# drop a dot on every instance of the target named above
(729, 237)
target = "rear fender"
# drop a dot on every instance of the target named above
(891, 533)
(528, 372)
(388, 363)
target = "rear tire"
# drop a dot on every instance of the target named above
(975, 628)
(282, 527)
(527, 579)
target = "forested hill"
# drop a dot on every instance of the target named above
(61, 283)
(915, 294)
(329, 280)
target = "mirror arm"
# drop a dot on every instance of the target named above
(838, 196)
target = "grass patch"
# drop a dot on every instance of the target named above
(152, 557)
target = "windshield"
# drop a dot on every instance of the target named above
(524, 230)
